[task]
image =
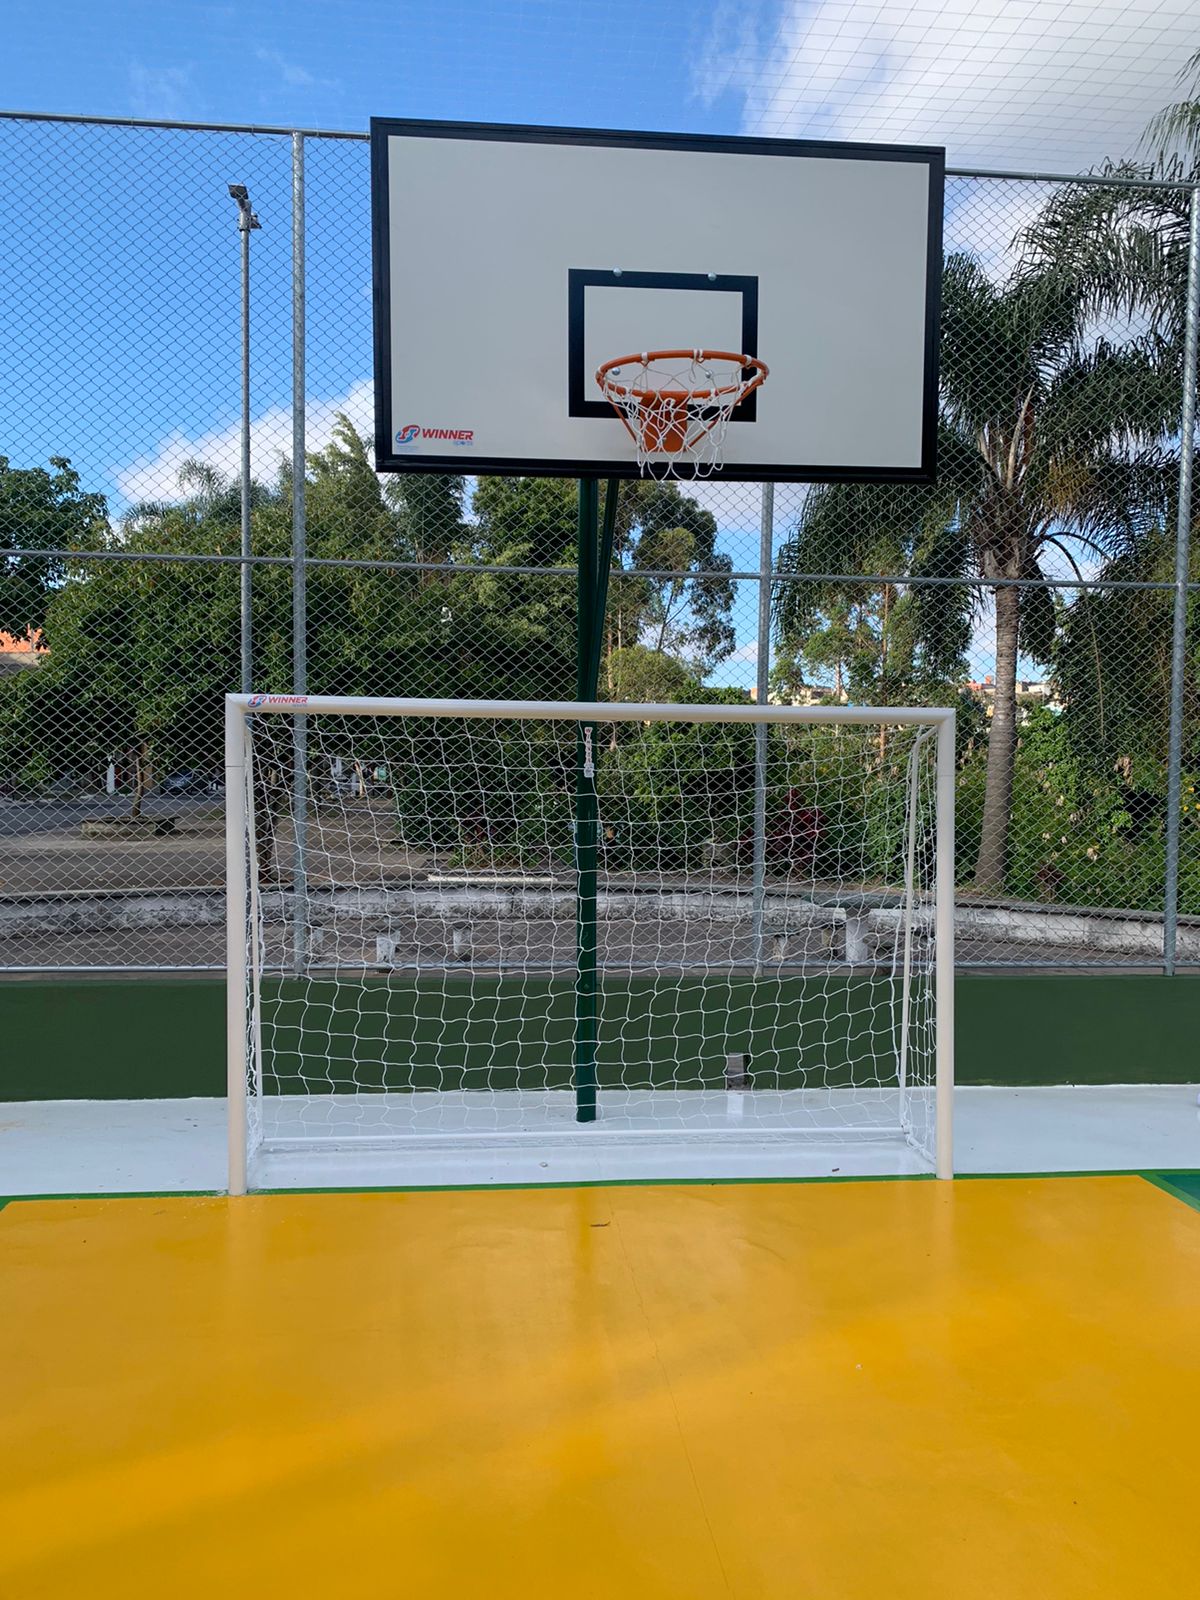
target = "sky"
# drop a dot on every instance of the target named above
(119, 267)
(1056, 84)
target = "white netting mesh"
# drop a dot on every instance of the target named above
(429, 979)
(677, 404)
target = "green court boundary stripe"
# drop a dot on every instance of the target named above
(1079, 1172)
(1162, 1180)
(118, 1194)
(1158, 1179)
(475, 1188)
(715, 1183)
(618, 1183)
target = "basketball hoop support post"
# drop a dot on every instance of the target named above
(593, 564)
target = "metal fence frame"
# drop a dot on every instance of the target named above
(763, 574)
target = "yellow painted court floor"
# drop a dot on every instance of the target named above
(761, 1391)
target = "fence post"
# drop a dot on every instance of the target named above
(1183, 528)
(235, 942)
(246, 221)
(299, 572)
(766, 534)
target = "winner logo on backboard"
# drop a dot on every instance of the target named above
(414, 433)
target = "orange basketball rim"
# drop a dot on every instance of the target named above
(675, 402)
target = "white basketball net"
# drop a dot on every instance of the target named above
(677, 404)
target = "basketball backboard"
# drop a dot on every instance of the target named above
(510, 262)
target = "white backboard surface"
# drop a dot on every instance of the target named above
(509, 262)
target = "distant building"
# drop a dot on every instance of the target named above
(18, 655)
(808, 694)
(1030, 694)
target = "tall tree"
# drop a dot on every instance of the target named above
(1051, 440)
(1113, 664)
(668, 589)
(41, 510)
(1173, 136)
(1123, 249)
(875, 638)
(689, 613)
(141, 653)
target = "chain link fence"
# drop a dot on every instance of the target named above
(1042, 587)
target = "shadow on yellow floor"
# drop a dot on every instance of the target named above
(892, 1389)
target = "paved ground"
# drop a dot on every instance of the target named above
(109, 1146)
(19, 818)
(43, 852)
(44, 859)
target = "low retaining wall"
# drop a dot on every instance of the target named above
(859, 926)
(147, 1037)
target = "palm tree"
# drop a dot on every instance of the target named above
(1124, 245)
(1124, 249)
(1051, 440)
(1174, 134)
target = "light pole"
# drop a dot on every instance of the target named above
(247, 222)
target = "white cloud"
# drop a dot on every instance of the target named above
(155, 476)
(292, 74)
(987, 218)
(164, 92)
(1034, 84)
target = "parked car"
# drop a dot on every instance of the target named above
(189, 782)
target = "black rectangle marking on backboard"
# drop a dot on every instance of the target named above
(581, 384)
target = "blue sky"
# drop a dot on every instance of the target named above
(120, 264)
(335, 64)
(1049, 83)
(118, 272)
(121, 272)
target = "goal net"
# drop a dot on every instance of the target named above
(501, 921)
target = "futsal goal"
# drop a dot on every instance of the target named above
(472, 924)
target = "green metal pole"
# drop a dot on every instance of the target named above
(608, 528)
(586, 813)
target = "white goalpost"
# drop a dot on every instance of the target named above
(571, 923)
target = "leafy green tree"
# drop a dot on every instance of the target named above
(134, 649)
(667, 587)
(429, 512)
(855, 641)
(873, 638)
(662, 530)
(788, 676)
(41, 510)
(637, 673)
(140, 654)
(1051, 440)
(672, 795)
(1123, 252)
(1113, 663)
